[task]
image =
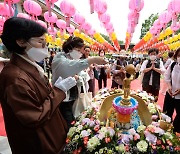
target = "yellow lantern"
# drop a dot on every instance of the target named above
(66, 36)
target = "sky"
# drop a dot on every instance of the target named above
(118, 11)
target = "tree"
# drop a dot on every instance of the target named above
(148, 24)
(109, 41)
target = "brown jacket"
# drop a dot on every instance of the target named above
(33, 122)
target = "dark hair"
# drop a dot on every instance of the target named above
(170, 54)
(72, 42)
(100, 51)
(17, 28)
(86, 46)
(176, 53)
(153, 50)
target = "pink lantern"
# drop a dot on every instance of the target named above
(50, 19)
(61, 24)
(32, 8)
(157, 24)
(42, 23)
(5, 10)
(91, 32)
(10, 2)
(86, 26)
(104, 18)
(131, 15)
(108, 26)
(2, 20)
(52, 31)
(175, 28)
(136, 5)
(165, 17)
(91, 6)
(174, 6)
(153, 30)
(50, 3)
(23, 15)
(100, 6)
(110, 30)
(79, 19)
(68, 9)
(70, 29)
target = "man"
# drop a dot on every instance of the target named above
(152, 70)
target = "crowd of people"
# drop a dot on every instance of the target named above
(38, 110)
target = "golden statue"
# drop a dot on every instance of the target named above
(130, 75)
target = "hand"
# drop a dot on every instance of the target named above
(153, 66)
(100, 60)
(76, 77)
(176, 92)
(170, 91)
(65, 84)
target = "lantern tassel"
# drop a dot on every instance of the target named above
(67, 21)
(92, 6)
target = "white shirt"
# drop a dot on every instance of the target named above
(143, 67)
(168, 62)
(175, 78)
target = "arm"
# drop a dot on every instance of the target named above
(160, 70)
(27, 105)
(143, 67)
(167, 78)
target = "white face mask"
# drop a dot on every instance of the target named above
(75, 54)
(153, 57)
(37, 54)
(178, 60)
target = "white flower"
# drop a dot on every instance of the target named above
(101, 151)
(142, 146)
(85, 133)
(141, 128)
(132, 131)
(121, 148)
(71, 131)
(101, 136)
(111, 131)
(159, 131)
(76, 137)
(92, 143)
(80, 127)
(103, 130)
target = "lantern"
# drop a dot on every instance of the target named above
(68, 9)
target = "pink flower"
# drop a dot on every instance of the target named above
(136, 137)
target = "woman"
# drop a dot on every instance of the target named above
(102, 71)
(68, 63)
(90, 71)
(172, 98)
(118, 72)
(33, 122)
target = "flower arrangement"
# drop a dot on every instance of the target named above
(89, 135)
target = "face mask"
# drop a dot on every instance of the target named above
(153, 57)
(75, 54)
(178, 60)
(37, 54)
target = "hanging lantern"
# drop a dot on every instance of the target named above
(68, 9)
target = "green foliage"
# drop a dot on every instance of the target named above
(148, 24)
(108, 39)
